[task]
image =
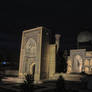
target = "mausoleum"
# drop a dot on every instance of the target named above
(38, 56)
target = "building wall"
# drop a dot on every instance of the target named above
(44, 54)
(86, 58)
(36, 51)
(52, 60)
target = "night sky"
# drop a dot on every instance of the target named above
(67, 17)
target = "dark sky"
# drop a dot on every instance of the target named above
(67, 17)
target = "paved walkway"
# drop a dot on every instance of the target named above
(38, 88)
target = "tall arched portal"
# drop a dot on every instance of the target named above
(30, 54)
(77, 64)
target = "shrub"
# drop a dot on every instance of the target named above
(60, 85)
(28, 85)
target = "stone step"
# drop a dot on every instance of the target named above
(13, 80)
(72, 77)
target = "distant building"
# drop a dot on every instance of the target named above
(80, 59)
(84, 40)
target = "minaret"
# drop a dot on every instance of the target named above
(57, 41)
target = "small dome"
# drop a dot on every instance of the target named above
(84, 37)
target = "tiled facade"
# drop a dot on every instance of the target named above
(83, 61)
(37, 56)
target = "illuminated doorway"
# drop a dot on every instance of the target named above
(32, 69)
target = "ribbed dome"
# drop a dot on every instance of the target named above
(84, 36)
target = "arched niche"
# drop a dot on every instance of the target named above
(31, 48)
(77, 64)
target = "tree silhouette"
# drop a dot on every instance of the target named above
(61, 64)
(28, 85)
(60, 87)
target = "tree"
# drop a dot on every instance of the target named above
(28, 85)
(60, 87)
(61, 59)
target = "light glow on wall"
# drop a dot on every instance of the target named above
(4, 62)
